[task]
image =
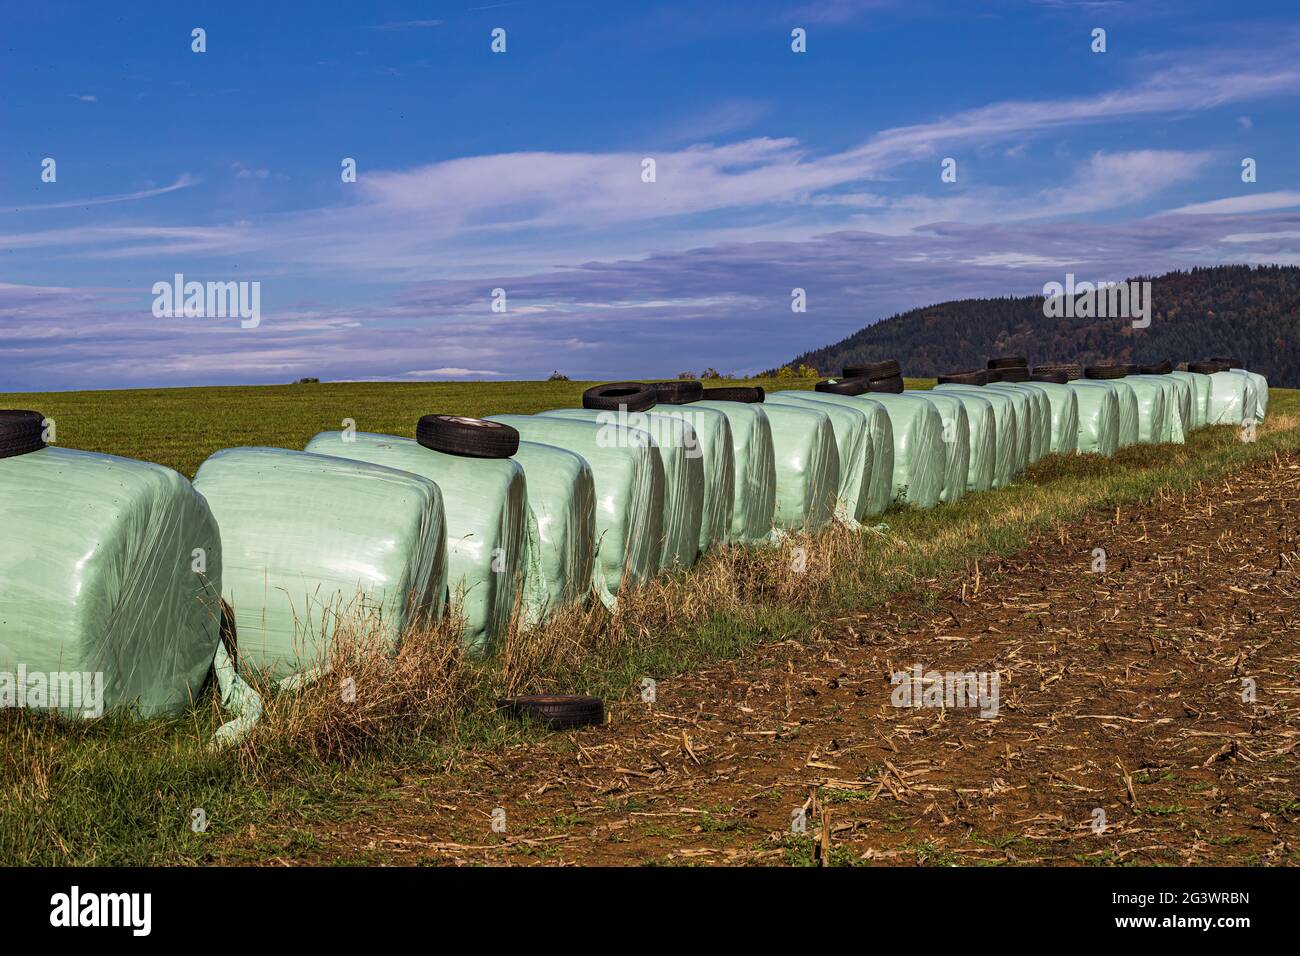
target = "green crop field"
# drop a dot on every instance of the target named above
(180, 427)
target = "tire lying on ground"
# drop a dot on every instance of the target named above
(889, 368)
(1099, 414)
(1006, 448)
(678, 392)
(718, 455)
(628, 475)
(807, 467)
(98, 559)
(317, 548)
(562, 518)
(754, 500)
(683, 487)
(557, 712)
(887, 385)
(852, 444)
(489, 544)
(632, 396)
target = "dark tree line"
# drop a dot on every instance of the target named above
(1251, 312)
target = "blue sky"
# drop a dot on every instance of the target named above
(522, 171)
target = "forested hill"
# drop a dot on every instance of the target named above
(1251, 312)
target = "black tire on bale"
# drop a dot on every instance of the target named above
(1231, 360)
(556, 711)
(1207, 367)
(873, 371)
(680, 392)
(992, 375)
(1158, 368)
(634, 396)
(21, 432)
(976, 376)
(467, 437)
(1009, 361)
(1059, 378)
(1104, 371)
(736, 393)
(842, 386)
(1014, 373)
(1132, 369)
(1073, 372)
(894, 385)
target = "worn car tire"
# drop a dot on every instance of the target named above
(556, 711)
(873, 371)
(21, 432)
(1009, 361)
(1071, 371)
(842, 386)
(1060, 378)
(1158, 368)
(977, 376)
(736, 393)
(1207, 367)
(1232, 361)
(467, 437)
(1104, 371)
(894, 385)
(634, 396)
(680, 392)
(1014, 373)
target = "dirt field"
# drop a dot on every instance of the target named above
(1120, 691)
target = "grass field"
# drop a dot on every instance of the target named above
(116, 792)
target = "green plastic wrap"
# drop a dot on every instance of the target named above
(920, 459)
(111, 573)
(807, 467)
(1039, 417)
(491, 547)
(880, 433)
(562, 501)
(682, 456)
(1151, 408)
(629, 478)
(956, 442)
(1231, 399)
(311, 542)
(1128, 409)
(1098, 417)
(718, 453)
(1259, 385)
(981, 424)
(1026, 421)
(852, 443)
(755, 468)
(1183, 421)
(1199, 386)
(1064, 407)
(1006, 441)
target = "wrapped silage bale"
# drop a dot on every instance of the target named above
(1261, 392)
(562, 503)
(1128, 401)
(718, 454)
(1027, 435)
(920, 459)
(1098, 410)
(1179, 398)
(880, 431)
(628, 475)
(754, 502)
(807, 467)
(111, 572)
(490, 547)
(1006, 447)
(1064, 411)
(852, 444)
(314, 544)
(982, 428)
(1231, 399)
(683, 463)
(1199, 385)
(1151, 408)
(956, 442)
(1039, 417)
